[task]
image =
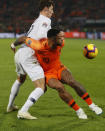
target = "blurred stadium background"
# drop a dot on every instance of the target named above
(80, 18)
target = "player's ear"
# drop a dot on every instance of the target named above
(46, 9)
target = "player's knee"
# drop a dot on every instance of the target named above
(22, 79)
(40, 83)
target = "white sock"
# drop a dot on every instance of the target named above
(33, 97)
(14, 92)
(92, 105)
(79, 110)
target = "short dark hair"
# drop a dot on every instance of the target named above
(53, 33)
(45, 3)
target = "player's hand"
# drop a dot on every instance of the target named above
(13, 47)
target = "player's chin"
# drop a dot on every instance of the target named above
(50, 15)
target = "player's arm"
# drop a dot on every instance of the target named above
(18, 41)
(34, 44)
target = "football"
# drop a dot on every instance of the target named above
(90, 51)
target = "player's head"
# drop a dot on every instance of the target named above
(56, 37)
(46, 7)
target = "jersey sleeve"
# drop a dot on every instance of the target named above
(34, 44)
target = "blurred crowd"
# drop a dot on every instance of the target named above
(74, 15)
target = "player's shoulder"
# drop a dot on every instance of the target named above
(42, 19)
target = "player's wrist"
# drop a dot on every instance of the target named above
(13, 46)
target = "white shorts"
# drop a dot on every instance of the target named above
(26, 63)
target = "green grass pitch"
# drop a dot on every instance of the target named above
(53, 114)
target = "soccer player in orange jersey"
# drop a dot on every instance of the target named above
(48, 54)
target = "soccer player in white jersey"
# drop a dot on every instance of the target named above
(26, 63)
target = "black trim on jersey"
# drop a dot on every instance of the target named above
(33, 100)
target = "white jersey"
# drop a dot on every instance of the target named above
(26, 62)
(39, 28)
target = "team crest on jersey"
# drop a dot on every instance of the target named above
(29, 42)
(44, 24)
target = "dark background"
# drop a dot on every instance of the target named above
(73, 15)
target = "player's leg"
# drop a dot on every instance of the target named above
(32, 99)
(35, 94)
(36, 74)
(67, 78)
(16, 85)
(14, 92)
(66, 97)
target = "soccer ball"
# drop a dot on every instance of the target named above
(90, 51)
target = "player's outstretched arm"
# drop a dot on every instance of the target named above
(34, 44)
(18, 41)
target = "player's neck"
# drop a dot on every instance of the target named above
(51, 44)
(43, 13)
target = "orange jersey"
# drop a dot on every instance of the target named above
(47, 57)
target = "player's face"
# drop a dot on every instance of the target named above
(60, 38)
(50, 11)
